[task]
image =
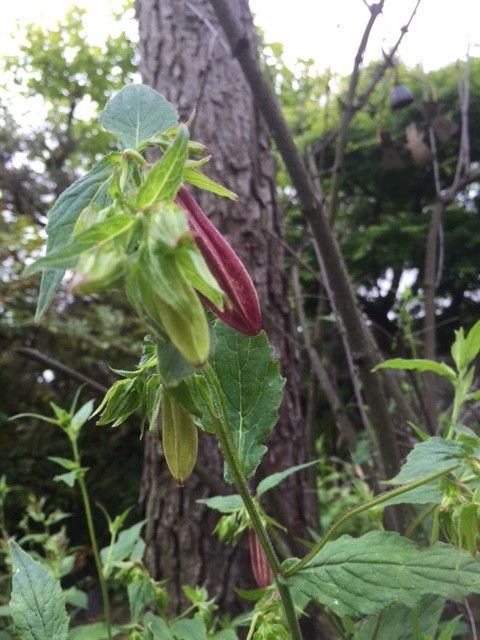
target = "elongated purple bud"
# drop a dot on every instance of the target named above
(242, 308)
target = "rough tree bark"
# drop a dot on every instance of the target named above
(185, 56)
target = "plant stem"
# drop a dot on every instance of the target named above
(93, 539)
(223, 434)
(383, 497)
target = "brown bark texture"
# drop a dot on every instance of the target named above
(184, 55)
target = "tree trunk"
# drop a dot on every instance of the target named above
(185, 56)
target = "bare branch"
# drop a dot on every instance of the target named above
(51, 363)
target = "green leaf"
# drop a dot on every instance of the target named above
(157, 626)
(70, 465)
(418, 364)
(124, 546)
(362, 576)
(253, 387)
(37, 602)
(97, 235)
(91, 188)
(195, 269)
(135, 114)
(428, 457)
(224, 504)
(472, 344)
(95, 631)
(82, 416)
(273, 480)
(71, 477)
(140, 595)
(189, 629)
(200, 180)
(398, 622)
(172, 366)
(76, 597)
(166, 176)
(425, 494)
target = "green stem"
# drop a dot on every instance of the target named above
(93, 539)
(365, 506)
(223, 434)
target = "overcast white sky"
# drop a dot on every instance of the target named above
(329, 31)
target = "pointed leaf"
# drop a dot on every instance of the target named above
(472, 343)
(361, 576)
(200, 180)
(418, 364)
(166, 176)
(37, 604)
(273, 480)
(91, 188)
(136, 113)
(224, 504)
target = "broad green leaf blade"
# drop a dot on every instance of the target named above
(37, 602)
(401, 623)
(426, 494)
(253, 387)
(125, 544)
(91, 188)
(418, 364)
(224, 504)
(200, 180)
(166, 176)
(273, 480)
(193, 629)
(428, 457)
(172, 366)
(140, 595)
(362, 576)
(136, 113)
(97, 235)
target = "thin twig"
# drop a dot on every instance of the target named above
(52, 363)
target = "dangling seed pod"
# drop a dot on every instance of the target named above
(258, 561)
(179, 438)
(400, 97)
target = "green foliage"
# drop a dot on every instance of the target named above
(252, 385)
(37, 604)
(136, 114)
(363, 576)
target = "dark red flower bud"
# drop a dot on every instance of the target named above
(242, 308)
(400, 97)
(258, 560)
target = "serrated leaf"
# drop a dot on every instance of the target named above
(200, 180)
(362, 576)
(137, 113)
(253, 387)
(97, 235)
(166, 176)
(224, 504)
(37, 603)
(275, 478)
(428, 457)
(398, 622)
(418, 364)
(91, 188)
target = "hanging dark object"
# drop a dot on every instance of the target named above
(400, 97)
